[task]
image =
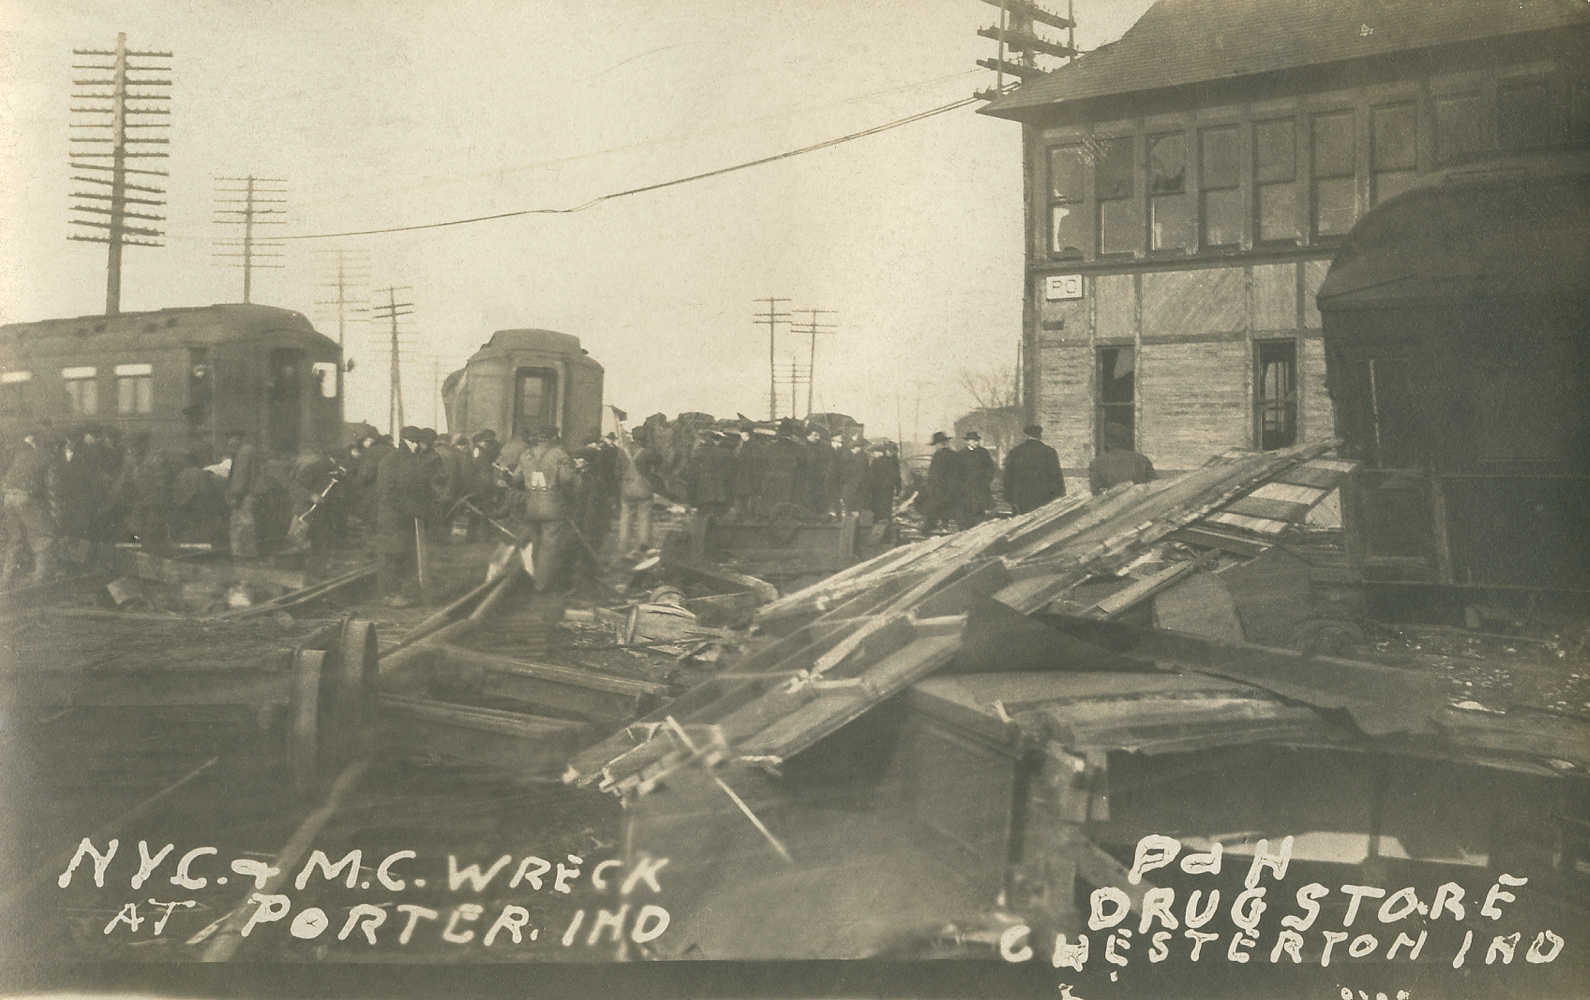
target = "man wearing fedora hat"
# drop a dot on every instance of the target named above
(941, 492)
(977, 479)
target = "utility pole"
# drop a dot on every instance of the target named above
(794, 376)
(123, 105)
(391, 310)
(812, 328)
(772, 318)
(253, 191)
(350, 271)
(1017, 32)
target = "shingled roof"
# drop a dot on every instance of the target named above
(1180, 42)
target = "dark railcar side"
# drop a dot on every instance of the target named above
(186, 376)
(1457, 338)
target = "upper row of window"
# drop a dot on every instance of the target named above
(1180, 218)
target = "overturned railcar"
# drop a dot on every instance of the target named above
(1457, 352)
(185, 376)
(523, 379)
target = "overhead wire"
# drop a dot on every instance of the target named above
(645, 188)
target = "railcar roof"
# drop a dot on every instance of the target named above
(221, 323)
(1507, 232)
(530, 339)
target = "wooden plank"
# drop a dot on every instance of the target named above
(1263, 526)
(1320, 474)
(1381, 700)
(1139, 590)
(1290, 492)
(1275, 510)
(817, 718)
(588, 693)
(1201, 534)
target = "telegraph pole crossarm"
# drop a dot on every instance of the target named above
(772, 317)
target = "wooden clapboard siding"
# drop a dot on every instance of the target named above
(1068, 403)
(1275, 297)
(1115, 315)
(1314, 272)
(1193, 402)
(1314, 409)
(1191, 303)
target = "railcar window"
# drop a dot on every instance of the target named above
(1219, 174)
(1067, 180)
(1392, 150)
(325, 375)
(135, 389)
(1333, 173)
(82, 390)
(1459, 127)
(1524, 115)
(14, 392)
(1275, 394)
(1117, 391)
(1169, 206)
(1275, 180)
(1120, 225)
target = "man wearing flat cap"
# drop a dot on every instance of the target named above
(1032, 473)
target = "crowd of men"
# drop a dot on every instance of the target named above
(69, 498)
(791, 469)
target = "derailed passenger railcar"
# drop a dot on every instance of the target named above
(1455, 327)
(520, 380)
(185, 376)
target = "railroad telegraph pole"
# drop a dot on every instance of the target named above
(1019, 44)
(351, 272)
(812, 328)
(772, 318)
(793, 375)
(253, 191)
(120, 100)
(391, 310)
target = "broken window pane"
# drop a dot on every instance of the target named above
(1167, 163)
(1114, 176)
(1065, 230)
(1066, 172)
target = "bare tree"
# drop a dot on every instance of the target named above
(997, 416)
(992, 389)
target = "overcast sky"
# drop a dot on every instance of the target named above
(409, 111)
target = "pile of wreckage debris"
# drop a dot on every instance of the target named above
(996, 690)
